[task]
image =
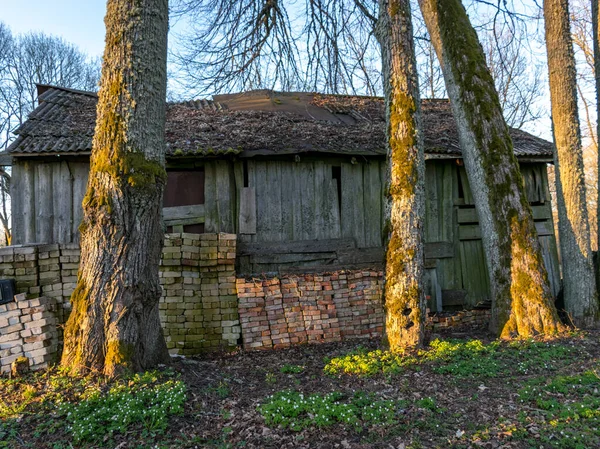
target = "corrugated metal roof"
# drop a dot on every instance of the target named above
(253, 123)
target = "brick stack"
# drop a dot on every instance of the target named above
(473, 319)
(21, 263)
(50, 272)
(256, 332)
(309, 308)
(199, 304)
(70, 255)
(28, 328)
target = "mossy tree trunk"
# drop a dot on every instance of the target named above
(579, 283)
(114, 325)
(521, 297)
(596, 40)
(404, 296)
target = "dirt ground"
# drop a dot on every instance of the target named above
(484, 409)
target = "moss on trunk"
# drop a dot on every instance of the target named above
(114, 326)
(521, 295)
(404, 297)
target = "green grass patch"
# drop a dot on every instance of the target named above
(142, 400)
(87, 409)
(567, 411)
(463, 359)
(294, 410)
(291, 369)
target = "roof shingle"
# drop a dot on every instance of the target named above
(253, 123)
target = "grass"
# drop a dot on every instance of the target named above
(462, 359)
(89, 409)
(455, 394)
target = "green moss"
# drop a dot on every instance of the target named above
(403, 163)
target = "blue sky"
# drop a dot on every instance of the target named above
(80, 22)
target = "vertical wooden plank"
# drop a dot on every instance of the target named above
(252, 183)
(224, 185)
(550, 257)
(332, 206)
(80, 172)
(321, 183)
(546, 197)
(263, 221)
(372, 204)
(353, 219)
(211, 223)
(44, 219)
(474, 268)
(238, 178)
(247, 219)
(468, 196)
(289, 200)
(273, 205)
(29, 205)
(431, 233)
(62, 189)
(17, 203)
(383, 177)
(307, 199)
(446, 203)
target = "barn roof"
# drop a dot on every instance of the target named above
(253, 123)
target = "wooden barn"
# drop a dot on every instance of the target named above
(297, 176)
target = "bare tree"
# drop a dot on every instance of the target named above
(404, 295)
(579, 282)
(324, 45)
(114, 325)
(26, 60)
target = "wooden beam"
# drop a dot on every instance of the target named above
(184, 215)
(297, 246)
(439, 250)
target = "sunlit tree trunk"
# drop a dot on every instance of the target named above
(405, 205)
(596, 40)
(521, 296)
(579, 281)
(114, 325)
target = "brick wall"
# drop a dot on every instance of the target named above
(28, 328)
(198, 308)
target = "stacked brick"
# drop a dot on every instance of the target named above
(473, 319)
(70, 255)
(28, 328)
(309, 308)
(21, 263)
(199, 304)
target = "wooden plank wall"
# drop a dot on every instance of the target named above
(46, 201)
(299, 201)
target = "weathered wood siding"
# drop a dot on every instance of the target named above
(306, 215)
(46, 200)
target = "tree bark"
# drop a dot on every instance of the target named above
(579, 283)
(404, 297)
(596, 45)
(521, 297)
(114, 325)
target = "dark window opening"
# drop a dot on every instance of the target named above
(245, 165)
(184, 188)
(336, 174)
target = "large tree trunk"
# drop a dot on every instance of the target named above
(405, 206)
(521, 296)
(114, 325)
(596, 40)
(579, 281)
